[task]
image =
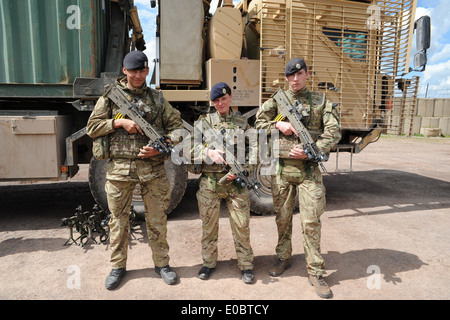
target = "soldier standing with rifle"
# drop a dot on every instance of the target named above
(296, 174)
(132, 161)
(212, 190)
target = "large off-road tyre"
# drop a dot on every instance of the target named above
(178, 179)
(97, 180)
(176, 174)
(264, 205)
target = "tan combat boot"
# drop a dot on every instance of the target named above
(320, 286)
(279, 267)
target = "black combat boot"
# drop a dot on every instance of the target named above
(205, 273)
(113, 279)
(247, 276)
(167, 274)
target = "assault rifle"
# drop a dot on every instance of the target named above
(214, 139)
(131, 109)
(295, 117)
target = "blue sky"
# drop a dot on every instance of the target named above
(436, 76)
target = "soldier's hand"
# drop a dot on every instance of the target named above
(231, 176)
(286, 128)
(298, 153)
(147, 152)
(129, 125)
(216, 156)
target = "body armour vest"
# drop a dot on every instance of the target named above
(233, 121)
(314, 104)
(126, 145)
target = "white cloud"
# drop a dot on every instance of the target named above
(442, 55)
(421, 11)
(437, 70)
(142, 3)
(213, 5)
(436, 79)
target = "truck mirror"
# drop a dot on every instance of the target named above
(420, 60)
(423, 26)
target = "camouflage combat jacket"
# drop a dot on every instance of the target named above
(124, 147)
(323, 120)
(231, 121)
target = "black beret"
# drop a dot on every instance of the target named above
(219, 90)
(294, 66)
(135, 60)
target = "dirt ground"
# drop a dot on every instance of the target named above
(385, 236)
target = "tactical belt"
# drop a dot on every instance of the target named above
(213, 177)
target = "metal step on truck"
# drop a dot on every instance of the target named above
(57, 57)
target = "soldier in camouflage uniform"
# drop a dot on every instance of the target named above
(211, 192)
(296, 174)
(132, 162)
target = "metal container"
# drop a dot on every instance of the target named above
(46, 44)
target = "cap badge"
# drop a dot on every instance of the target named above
(297, 65)
(224, 91)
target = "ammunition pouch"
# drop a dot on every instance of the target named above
(285, 144)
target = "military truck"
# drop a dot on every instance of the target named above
(357, 53)
(57, 56)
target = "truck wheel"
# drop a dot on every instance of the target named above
(178, 179)
(97, 180)
(177, 175)
(264, 205)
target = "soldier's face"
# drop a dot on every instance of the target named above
(222, 104)
(297, 81)
(136, 78)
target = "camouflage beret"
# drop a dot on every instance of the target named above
(135, 60)
(219, 90)
(294, 66)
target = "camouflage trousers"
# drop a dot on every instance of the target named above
(307, 182)
(209, 196)
(155, 195)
